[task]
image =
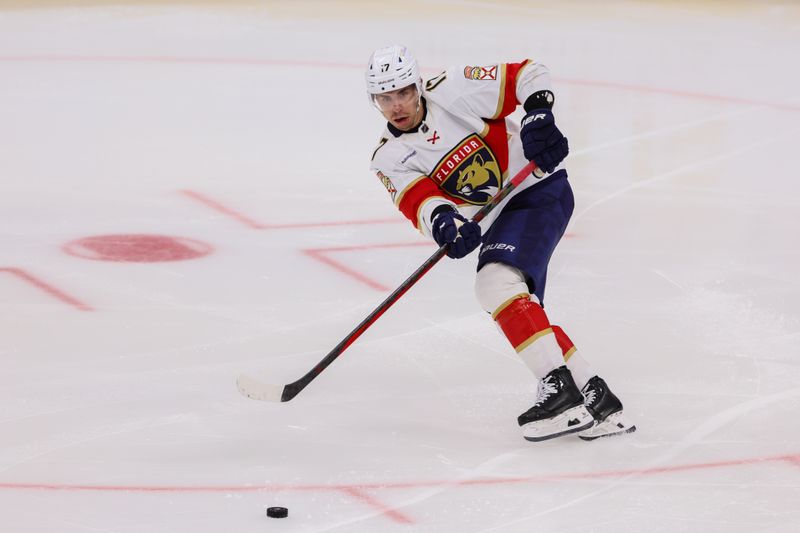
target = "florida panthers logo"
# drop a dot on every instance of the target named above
(469, 172)
(476, 176)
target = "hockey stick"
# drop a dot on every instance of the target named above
(257, 390)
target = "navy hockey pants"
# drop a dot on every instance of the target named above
(526, 232)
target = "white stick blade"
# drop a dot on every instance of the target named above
(258, 390)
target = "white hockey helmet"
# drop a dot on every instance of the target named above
(391, 68)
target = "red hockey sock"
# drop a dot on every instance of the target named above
(523, 321)
(564, 342)
(528, 330)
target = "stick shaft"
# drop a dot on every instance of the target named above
(293, 389)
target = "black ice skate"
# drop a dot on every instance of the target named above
(559, 409)
(606, 409)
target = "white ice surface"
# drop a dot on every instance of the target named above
(678, 279)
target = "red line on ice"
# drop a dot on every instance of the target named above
(793, 460)
(233, 61)
(55, 58)
(254, 224)
(389, 512)
(677, 93)
(216, 206)
(358, 491)
(46, 287)
(320, 254)
(402, 484)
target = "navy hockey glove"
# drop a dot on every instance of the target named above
(542, 142)
(463, 235)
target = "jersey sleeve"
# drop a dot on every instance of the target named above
(416, 195)
(493, 91)
(532, 78)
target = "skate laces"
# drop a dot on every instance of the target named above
(546, 388)
(590, 396)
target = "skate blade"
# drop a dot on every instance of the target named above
(570, 421)
(615, 425)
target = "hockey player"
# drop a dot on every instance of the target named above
(446, 150)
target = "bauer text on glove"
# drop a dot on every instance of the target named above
(542, 141)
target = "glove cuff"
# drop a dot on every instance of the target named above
(445, 208)
(539, 100)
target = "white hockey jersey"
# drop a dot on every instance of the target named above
(465, 149)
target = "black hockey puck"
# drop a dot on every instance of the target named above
(277, 512)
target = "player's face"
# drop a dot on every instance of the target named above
(401, 107)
